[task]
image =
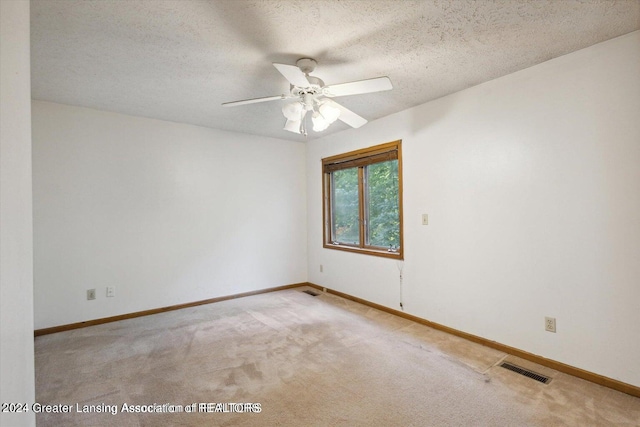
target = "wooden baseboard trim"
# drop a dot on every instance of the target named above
(558, 366)
(62, 328)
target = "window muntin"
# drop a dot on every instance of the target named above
(363, 201)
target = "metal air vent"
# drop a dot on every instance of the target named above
(312, 293)
(526, 372)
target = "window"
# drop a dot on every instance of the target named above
(362, 201)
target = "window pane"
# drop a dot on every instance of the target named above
(383, 225)
(346, 206)
(362, 206)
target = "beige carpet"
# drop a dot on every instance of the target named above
(307, 361)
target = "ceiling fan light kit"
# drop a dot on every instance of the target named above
(293, 111)
(319, 122)
(329, 111)
(312, 95)
(294, 126)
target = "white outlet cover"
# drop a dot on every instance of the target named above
(550, 324)
(425, 219)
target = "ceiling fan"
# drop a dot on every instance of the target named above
(312, 96)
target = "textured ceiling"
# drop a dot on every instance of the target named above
(179, 60)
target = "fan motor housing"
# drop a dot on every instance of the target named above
(315, 88)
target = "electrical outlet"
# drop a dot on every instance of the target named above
(550, 324)
(91, 294)
(425, 219)
(110, 291)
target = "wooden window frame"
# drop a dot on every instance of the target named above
(361, 158)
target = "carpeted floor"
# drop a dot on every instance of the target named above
(304, 361)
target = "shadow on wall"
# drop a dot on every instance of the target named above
(426, 115)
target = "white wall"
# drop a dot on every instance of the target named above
(532, 186)
(166, 213)
(16, 247)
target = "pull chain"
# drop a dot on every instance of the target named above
(400, 265)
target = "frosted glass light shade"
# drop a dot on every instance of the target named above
(319, 122)
(292, 111)
(293, 126)
(329, 112)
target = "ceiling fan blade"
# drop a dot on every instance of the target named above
(361, 86)
(255, 100)
(293, 74)
(349, 117)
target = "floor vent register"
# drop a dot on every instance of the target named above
(527, 373)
